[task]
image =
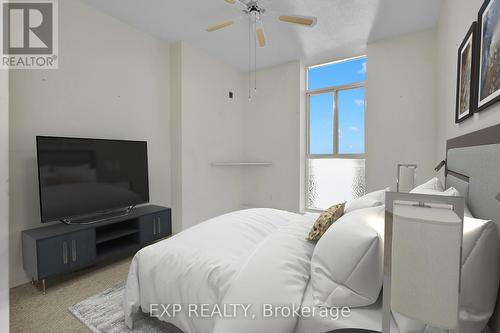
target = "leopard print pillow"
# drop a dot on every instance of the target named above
(325, 220)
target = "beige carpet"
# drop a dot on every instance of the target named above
(31, 311)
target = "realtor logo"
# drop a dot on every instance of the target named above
(29, 34)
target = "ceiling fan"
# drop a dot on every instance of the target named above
(254, 12)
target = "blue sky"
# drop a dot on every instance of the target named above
(351, 108)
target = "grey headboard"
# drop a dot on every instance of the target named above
(473, 167)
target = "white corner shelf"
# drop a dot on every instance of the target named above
(238, 164)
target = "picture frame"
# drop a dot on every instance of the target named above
(487, 91)
(466, 76)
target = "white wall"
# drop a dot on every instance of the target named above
(455, 20)
(400, 113)
(176, 134)
(272, 128)
(112, 82)
(211, 131)
(215, 128)
(4, 201)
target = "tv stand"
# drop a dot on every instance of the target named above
(97, 218)
(64, 248)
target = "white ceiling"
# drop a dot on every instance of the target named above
(343, 30)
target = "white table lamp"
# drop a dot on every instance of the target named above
(422, 264)
(406, 177)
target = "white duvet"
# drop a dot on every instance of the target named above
(245, 261)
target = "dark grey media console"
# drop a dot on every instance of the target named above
(60, 248)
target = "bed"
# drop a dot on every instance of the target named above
(245, 257)
(217, 276)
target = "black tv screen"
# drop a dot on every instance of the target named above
(81, 177)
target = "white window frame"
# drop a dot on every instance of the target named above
(335, 90)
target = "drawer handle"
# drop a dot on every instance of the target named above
(65, 253)
(159, 225)
(73, 250)
(154, 226)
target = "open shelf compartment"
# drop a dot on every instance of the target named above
(113, 231)
(116, 247)
(114, 239)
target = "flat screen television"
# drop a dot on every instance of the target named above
(86, 177)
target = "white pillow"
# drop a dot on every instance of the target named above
(480, 277)
(451, 192)
(432, 185)
(347, 263)
(372, 199)
(467, 212)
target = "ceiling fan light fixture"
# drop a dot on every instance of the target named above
(255, 13)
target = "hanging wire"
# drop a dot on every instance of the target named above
(249, 58)
(255, 51)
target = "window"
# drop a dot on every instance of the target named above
(335, 133)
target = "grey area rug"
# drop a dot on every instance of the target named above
(103, 313)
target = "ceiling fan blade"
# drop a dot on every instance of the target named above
(239, 3)
(219, 26)
(261, 37)
(308, 21)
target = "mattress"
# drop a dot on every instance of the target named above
(369, 317)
